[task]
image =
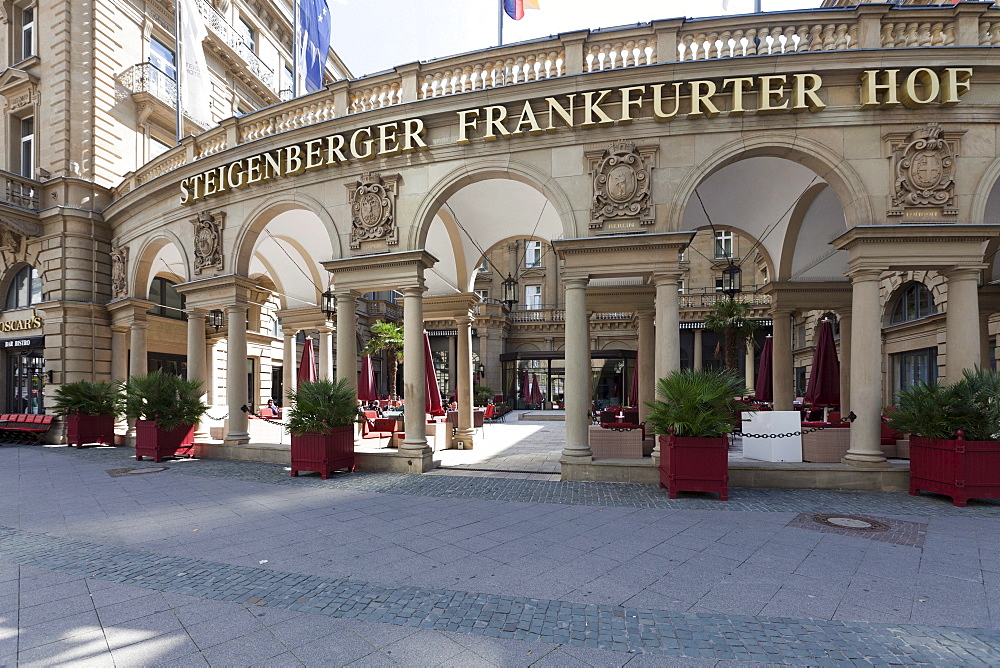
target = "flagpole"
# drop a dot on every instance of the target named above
(499, 22)
(295, 49)
(178, 69)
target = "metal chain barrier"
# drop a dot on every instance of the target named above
(217, 418)
(850, 418)
(247, 410)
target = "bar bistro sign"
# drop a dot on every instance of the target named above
(692, 99)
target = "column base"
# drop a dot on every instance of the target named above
(237, 439)
(466, 437)
(414, 448)
(865, 460)
(577, 456)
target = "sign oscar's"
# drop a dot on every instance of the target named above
(33, 322)
(662, 102)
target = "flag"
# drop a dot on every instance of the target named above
(313, 42)
(515, 8)
(193, 85)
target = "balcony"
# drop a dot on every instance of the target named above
(226, 43)
(20, 192)
(155, 95)
(708, 297)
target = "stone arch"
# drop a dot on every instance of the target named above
(795, 221)
(8, 277)
(140, 266)
(900, 283)
(988, 182)
(821, 159)
(484, 170)
(257, 219)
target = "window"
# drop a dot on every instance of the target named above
(484, 266)
(28, 147)
(247, 32)
(162, 58)
(913, 366)
(799, 335)
(723, 244)
(763, 275)
(801, 381)
(681, 284)
(533, 296)
(157, 147)
(533, 254)
(483, 295)
(169, 302)
(25, 290)
(286, 88)
(27, 33)
(913, 303)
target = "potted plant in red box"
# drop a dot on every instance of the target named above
(322, 427)
(954, 436)
(166, 409)
(694, 417)
(90, 410)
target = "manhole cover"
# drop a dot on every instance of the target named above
(851, 522)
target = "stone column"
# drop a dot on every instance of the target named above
(196, 360)
(783, 375)
(866, 370)
(119, 354)
(984, 340)
(750, 369)
(289, 372)
(236, 374)
(845, 363)
(962, 322)
(466, 432)
(578, 394)
(137, 364)
(347, 345)
(414, 391)
(699, 353)
(668, 345)
(325, 353)
(646, 361)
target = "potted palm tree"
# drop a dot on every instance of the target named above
(732, 319)
(694, 416)
(954, 436)
(90, 409)
(322, 427)
(166, 409)
(387, 337)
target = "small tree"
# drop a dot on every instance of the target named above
(387, 337)
(732, 319)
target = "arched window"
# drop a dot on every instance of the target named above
(913, 303)
(25, 290)
(169, 302)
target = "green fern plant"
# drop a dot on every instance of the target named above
(696, 403)
(483, 394)
(387, 337)
(971, 404)
(319, 407)
(169, 400)
(85, 397)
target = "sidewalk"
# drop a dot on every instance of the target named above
(235, 563)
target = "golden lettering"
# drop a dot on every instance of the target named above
(413, 128)
(314, 154)
(527, 118)
(357, 143)
(591, 107)
(293, 160)
(185, 194)
(699, 99)
(929, 82)
(272, 165)
(628, 102)
(804, 89)
(956, 84)
(210, 183)
(562, 112)
(740, 85)
(253, 170)
(658, 112)
(495, 115)
(335, 147)
(387, 144)
(871, 89)
(194, 180)
(467, 120)
(235, 182)
(770, 98)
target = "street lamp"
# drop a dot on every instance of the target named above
(328, 304)
(732, 280)
(509, 291)
(216, 319)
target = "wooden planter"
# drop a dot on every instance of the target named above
(82, 429)
(960, 469)
(694, 465)
(324, 453)
(151, 440)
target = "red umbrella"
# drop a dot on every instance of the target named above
(633, 395)
(307, 367)
(366, 383)
(764, 390)
(432, 395)
(824, 379)
(536, 391)
(526, 388)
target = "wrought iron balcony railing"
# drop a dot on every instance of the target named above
(218, 24)
(147, 78)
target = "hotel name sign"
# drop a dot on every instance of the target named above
(691, 99)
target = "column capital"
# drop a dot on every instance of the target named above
(464, 320)
(782, 312)
(413, 290)
(863, 274)
(663, 277)
(139, 324)
(196, 313)
(324, 328)
(345, 293)
(289, 332)
(576, 282)
(960, 273)
(645, 314)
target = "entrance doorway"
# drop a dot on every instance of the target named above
(612, 372)
(26, 381)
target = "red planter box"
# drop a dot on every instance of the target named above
(82, 429)
(324, 453)
(960, 469)
(153, 441)
(694, 465)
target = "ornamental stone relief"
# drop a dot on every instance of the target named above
(621, 187)
(119, 271)
(208, 240)
(923, 164)
(373, 212)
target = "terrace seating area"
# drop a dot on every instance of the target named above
(24, 428)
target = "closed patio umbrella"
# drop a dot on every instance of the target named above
(366, 383)
(823, 389)
(763, 390)
(432, 394)
(633, 395)
(307, 367)
(526, 388)
(536, 391)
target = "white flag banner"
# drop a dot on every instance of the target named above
(195, 87)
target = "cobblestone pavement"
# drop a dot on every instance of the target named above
(231, 563)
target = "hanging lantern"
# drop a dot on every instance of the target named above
(732, 280)
(510, 291)
(328, 304)
(216, 319)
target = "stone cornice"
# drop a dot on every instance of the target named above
(923, 233)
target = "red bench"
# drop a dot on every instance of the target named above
(19, 428)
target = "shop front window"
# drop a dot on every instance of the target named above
(912, 367)
(169, 302)
(25, 290)
(26, 381)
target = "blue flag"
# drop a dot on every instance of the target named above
(314, 22)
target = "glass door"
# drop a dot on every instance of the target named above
(26, 382)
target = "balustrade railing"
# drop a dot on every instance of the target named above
(708, 298)
(781, 34)
(20, 192)
(147, 78)
(384, 308)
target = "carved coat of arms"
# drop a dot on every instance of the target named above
(373, 209)
(924, 172)
(208, 241)
(621, 184)
(119, 271)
